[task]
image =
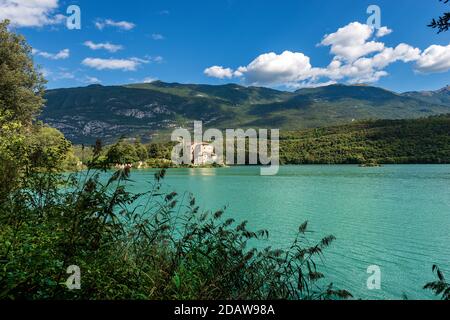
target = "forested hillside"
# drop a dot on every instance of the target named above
(383, 141)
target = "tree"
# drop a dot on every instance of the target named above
(98, 147)
(21, 84)
(154, 151)
(21, 98)
(12, 155)
(47, 149)
(122, 153)
(141, 150)
(443, 22)
(24, 146)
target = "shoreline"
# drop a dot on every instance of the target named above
(300, 165)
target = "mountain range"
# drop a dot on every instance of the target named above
(153, 110)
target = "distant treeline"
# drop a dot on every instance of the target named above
(383, 141)
(424, 140)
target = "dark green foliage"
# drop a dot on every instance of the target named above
(123, 152)
(442, 24)
(384, 141)
(370, 143)
(440, 287)
(143, 246)
(97, 148)
(47, 149)
(160, 150)
(24, 146)
(21, 86)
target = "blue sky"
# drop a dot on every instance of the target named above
(281, 44)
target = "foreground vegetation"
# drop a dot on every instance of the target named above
(142, 246)
(153, 245)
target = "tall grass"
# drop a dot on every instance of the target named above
(152, 245)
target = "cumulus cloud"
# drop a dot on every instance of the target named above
(403, 52)
(105, 46)
(30, 13)
(219, 72)
(357, 58)
(383, 31)
(61, 55)
(114, 64)
(369, 69)
(124, 25)
(350, 42)
(272, 68)
(434, 59)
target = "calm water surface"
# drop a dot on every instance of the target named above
(396, 217)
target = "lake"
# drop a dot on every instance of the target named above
(396, 217)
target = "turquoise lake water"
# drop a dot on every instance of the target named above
(396, 217)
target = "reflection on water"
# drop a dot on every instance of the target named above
(202, 172)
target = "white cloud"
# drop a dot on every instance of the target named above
(286, 68)
(272, 68)
(150, 59)
(106, 46)
(309, 84)
(61, 55)
(64, 75)
(114, 64)
(357, 59)
(124, 25)
(157, 36)
(434, 59)
(149, 80)
(350, 42)
(30, 13)
(368, 69)
(139, 60)
(111, 64)
(360, 71)
(240, 72)
(91, 80)
(219, 72)
(158, 59)
(383, 31)
(403, 52)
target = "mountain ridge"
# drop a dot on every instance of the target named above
(153, 110)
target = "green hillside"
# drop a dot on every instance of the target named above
(382, 141)
(155, 109)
